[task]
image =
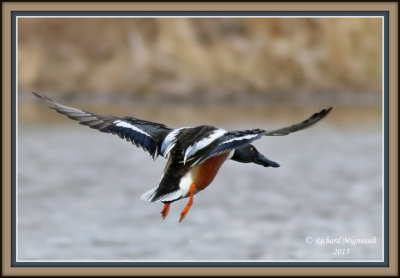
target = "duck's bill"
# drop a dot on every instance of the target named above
(262, 160)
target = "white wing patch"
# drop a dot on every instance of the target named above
(226, 147)
(130, 126)
(203, 143)
(169, 142)
(245, 137)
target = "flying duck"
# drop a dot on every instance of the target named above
(194, 154)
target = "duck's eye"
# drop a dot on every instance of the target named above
(251, 149)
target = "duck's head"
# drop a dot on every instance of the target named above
(249, 154)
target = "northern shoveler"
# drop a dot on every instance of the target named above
(194, 154)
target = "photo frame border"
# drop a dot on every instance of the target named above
(11, 266)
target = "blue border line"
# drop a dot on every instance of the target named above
(199, 264)
(385, 15)
(386, 138)
(200, 13)
(13, 141)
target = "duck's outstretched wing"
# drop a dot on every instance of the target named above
(145, 134)
(296, 127)
(234, 139)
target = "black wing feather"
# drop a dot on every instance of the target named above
(299, 126)
(234, 139)
(145, 134)
(226, 143)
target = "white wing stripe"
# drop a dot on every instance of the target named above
(170, 147)
(130, 126)
(245, 137)
(186, 154)
(203, 143)
(169, 141)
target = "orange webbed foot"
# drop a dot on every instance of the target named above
(165, 210)
(189, 204)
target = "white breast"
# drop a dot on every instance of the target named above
(185, 183)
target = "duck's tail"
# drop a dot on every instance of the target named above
(151, 196)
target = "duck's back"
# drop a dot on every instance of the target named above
(176, 180)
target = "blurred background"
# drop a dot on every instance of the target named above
(78, 189)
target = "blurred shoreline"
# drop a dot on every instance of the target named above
(197, 57)
(203, 111)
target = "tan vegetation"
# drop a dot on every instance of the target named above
(199, 56)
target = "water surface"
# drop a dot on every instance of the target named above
(79, 196)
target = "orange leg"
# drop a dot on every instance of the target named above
(165, 210)
(189, 204)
